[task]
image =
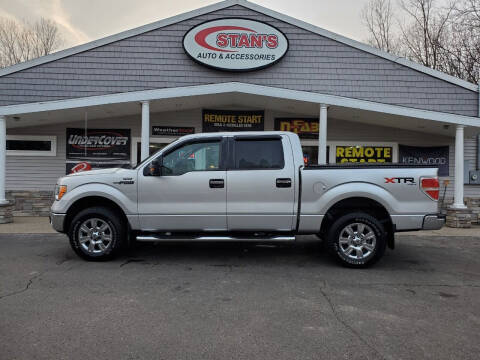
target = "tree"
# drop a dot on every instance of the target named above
(22, 41)
(464, 43)
(377, 16)
(441, 34)
(425, 36)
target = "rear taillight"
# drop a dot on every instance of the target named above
(430, 186)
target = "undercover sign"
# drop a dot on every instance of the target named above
(98, 143)
(363, 154)
(235, 44)
(433, 156)
(97, 148)
(232, 120)
(305, 128)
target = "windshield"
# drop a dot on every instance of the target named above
(152, 156)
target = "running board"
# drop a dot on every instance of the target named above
(159, 237)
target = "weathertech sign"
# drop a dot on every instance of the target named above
(235, 44)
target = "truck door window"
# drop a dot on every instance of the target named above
(204, 156)
(261, 154)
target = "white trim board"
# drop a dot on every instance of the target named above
(236, 87)
(251, 6)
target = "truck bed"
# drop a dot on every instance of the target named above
(394, 187)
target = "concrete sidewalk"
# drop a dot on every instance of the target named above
(28, 225)
(41, 225)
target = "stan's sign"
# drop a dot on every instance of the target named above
(235, 44)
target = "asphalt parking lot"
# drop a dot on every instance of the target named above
(231, 301)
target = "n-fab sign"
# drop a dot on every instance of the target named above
(235, 44)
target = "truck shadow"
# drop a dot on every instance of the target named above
(228, 254)
(306, 252)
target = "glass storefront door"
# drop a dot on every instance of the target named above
(310, 154)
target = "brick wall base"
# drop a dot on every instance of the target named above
(462, 218)
(459, 218)
(30, 203)
(6, 213)
(473, 204)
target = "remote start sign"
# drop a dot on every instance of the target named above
(235, 44)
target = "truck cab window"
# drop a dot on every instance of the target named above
(261, 154)
(204, 156)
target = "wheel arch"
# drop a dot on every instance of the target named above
(91, 201)
(360, 204)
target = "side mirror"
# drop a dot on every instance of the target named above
(154, 169)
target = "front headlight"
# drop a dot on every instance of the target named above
(60, 190)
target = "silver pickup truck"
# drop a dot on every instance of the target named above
(249, 186)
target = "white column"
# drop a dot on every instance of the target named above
(145, 130)
(3, 154)
(322, 135)
(458, 194)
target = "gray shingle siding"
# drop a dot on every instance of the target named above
(157, 60)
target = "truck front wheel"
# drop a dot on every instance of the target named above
(97, 234)
(357, 240)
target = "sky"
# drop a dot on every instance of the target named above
(81, 21)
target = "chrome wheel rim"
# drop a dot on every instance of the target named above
(95, 236)
(357, 241)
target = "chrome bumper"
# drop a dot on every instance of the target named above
(433, 222)
(57, 220)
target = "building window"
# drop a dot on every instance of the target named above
(31, 145)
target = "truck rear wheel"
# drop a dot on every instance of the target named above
(97, 234)
(357, 240)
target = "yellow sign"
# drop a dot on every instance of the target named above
(306, 128)
(362, 154)
(229, 120)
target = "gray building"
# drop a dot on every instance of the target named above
(112, 101)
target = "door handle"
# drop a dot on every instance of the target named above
(217, 183)
(284, 182)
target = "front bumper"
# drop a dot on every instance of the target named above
(57, 221)
(433, 222)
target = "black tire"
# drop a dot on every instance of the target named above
(339, 246)
(116, 231)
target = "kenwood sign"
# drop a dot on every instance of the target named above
(235, 44)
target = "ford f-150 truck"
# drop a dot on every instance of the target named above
(248, 186)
